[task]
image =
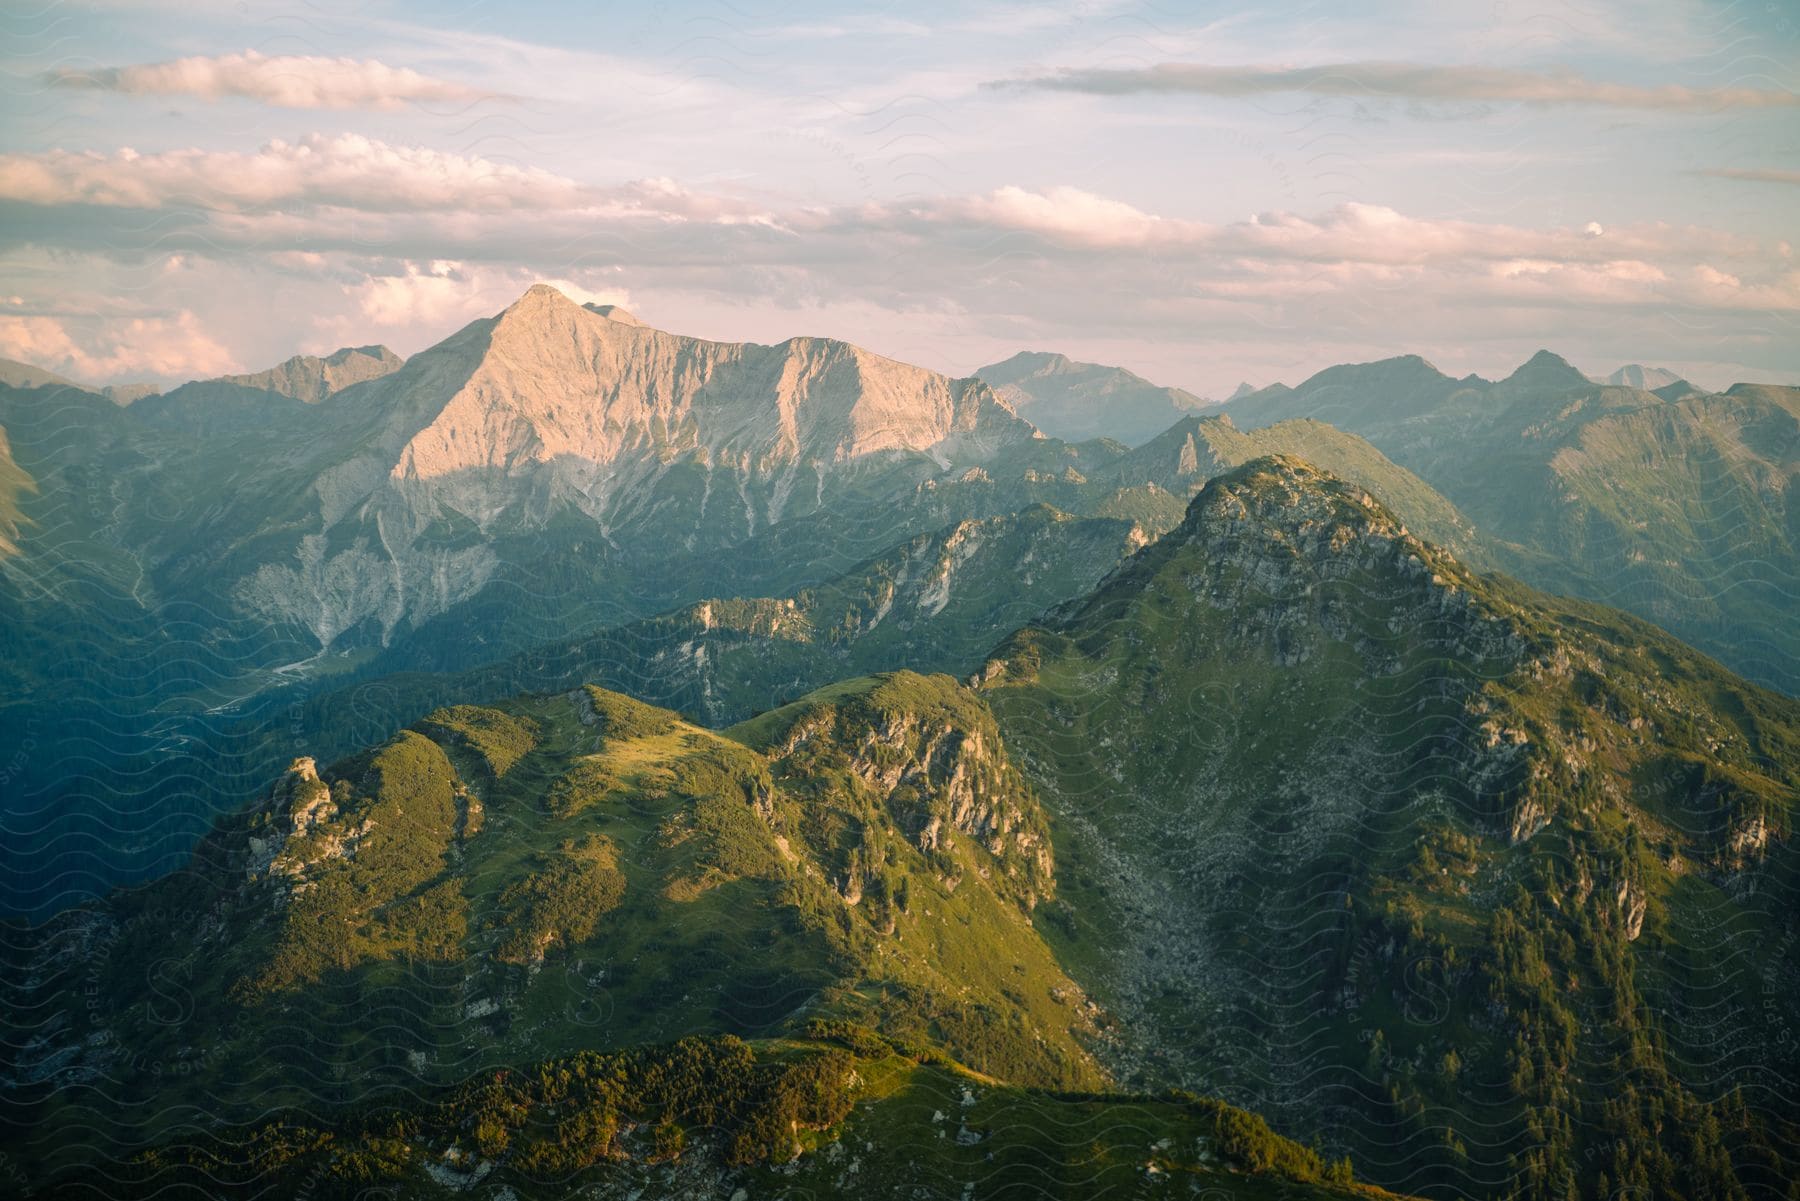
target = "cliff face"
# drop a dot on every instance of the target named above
(555, 381)
(553, 414)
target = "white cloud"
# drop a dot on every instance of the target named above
(1065, 213)
(289, 81)
(1038, 266)
(435, 295)
(165, 348)
(1347, 233)
(1405, 81)
(346, 171)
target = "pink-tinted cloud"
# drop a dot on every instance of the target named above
(288, 81)
(161, 347)
(345, 171)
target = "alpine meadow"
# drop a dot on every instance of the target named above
(958, 602)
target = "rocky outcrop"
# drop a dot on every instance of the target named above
(1631, 904)
(939, 781)
(301, 833)
(1281, 540)
(932, 756)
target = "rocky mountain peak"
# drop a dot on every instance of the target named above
(557, 381)
(1288, 491)
(1547, 369)
(539, 298)
(1290, 551)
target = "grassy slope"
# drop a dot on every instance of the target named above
(838, 1114)
(675, 880)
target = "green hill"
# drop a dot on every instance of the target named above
(1477, 884)
(522, 946)
(499, 885)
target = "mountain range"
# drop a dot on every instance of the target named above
(581, 757)
(1533, 819)
(553, 470)
(1676, 507)
(310, 378)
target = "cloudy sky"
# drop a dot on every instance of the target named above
(1203, 192)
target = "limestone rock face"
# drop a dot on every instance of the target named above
(553, 409)
(556, 381)
(299, 802)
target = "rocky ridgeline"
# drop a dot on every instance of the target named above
(555, 411)
(1293, 672)
(311, 378)
(1293, 559)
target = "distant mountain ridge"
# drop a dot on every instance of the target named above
(311, 379)
(1644, 379)
(14, 374)
(1676, 504)
(1077, 401)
